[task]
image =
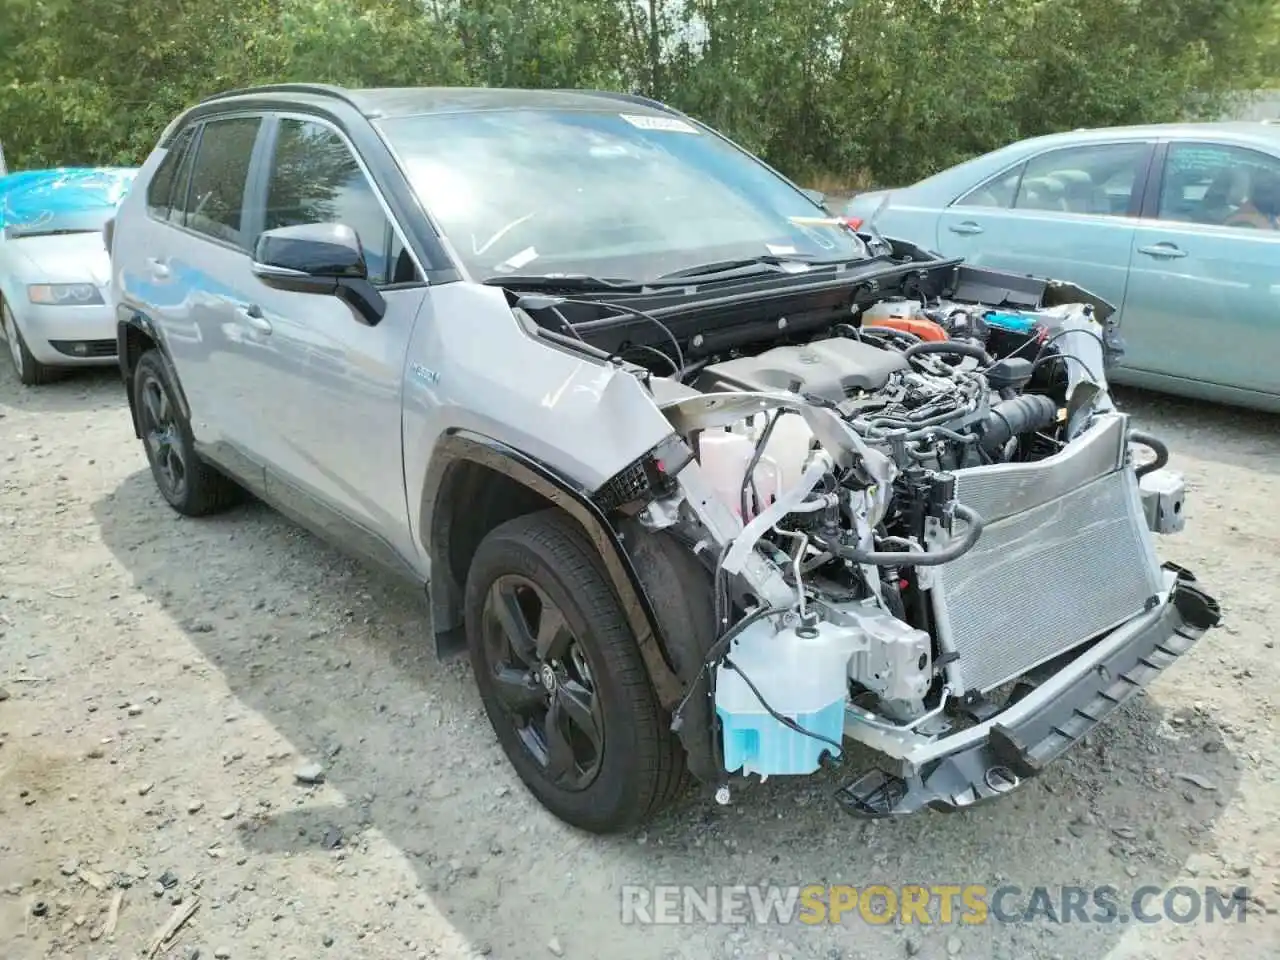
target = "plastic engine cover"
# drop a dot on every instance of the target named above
(832, 369)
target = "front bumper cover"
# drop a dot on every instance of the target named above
(1006, 755)
(51, 333)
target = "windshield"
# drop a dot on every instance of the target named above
(610, 195)
(37, 203)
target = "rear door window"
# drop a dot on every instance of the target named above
(1220, 185)
(215, 201)
(1096, 178)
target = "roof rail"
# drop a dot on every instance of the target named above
(631, 98)
(316, 89)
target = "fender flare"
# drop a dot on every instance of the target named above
(130, 320)
(460, 447)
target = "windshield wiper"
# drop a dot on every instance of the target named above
(564, 282)
(19, 233)
(715, 270)
(773, 261)
(745, 267)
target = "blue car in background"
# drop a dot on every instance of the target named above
(55, 272)
(1177, 226)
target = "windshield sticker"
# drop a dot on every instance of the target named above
(517, 260)
(818, 221)
(665, 124)
(779, 250)
(611, 150)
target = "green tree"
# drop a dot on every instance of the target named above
(831, 91)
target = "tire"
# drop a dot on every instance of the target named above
(191, 486)
(31, 372)
(545, 563)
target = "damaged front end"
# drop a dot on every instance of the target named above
(928, 532)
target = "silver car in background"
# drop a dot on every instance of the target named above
(54, 268)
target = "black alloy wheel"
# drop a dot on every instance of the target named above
(160, 432)
(188, 484)
(542, 679)
(562, 680)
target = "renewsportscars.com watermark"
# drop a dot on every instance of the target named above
(928, 904)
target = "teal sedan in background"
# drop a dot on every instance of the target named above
(1178, 226)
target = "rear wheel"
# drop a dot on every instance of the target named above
(190, 485)
(30, 371)
(561, 677)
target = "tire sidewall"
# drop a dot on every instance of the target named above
(619, 793)
(152, 364)
(31, 371)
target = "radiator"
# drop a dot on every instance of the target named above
(1064, 555)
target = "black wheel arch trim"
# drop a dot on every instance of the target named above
(129, 321)
(457, 447)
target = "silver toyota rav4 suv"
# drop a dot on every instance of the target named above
(709, 483)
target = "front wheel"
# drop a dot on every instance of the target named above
(562, 680)
(31, 372)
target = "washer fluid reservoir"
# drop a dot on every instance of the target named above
(802, 678)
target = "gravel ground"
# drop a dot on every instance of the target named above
(165, 681)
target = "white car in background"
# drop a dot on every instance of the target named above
(54, 268)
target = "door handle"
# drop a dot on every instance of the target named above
(159, 269)
(252, 315)
(1163, 251)
(967, 228)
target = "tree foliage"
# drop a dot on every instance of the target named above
(826, 90)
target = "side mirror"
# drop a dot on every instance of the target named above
(324, 258)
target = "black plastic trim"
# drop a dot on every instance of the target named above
(311, 89)
(459, 447)
(128, 319)
(330, 523)
(1141, 182)
(98, 348)
(1154, 183)
(1011, 755)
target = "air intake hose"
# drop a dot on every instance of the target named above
(1157, 445)
(1012, 418)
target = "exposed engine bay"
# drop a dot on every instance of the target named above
(922, 524)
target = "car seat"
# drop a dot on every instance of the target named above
(1042, 193)
(1078, 194)
(1264, 194)
(1225, 195)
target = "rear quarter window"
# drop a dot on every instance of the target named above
(165, 180)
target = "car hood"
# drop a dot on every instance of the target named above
(67, 258)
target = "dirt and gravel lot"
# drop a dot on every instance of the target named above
(165, 682)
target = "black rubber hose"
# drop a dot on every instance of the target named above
(950, 346)
(911, 558)
(1156, 444)
(907, 335)
(1012, 418)
(748, 481)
